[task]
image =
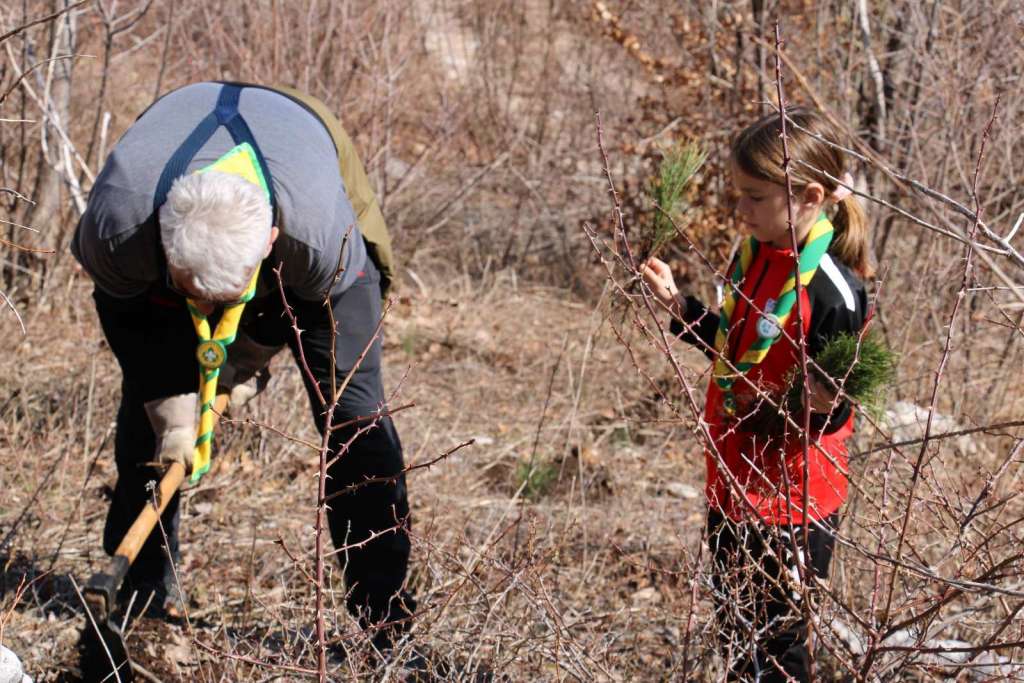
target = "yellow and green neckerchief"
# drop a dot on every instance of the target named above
(771, 324)
(212, 351)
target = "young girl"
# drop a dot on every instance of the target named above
(761, 487)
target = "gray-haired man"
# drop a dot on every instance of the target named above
(146, 254)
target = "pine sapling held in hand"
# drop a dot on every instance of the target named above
(863, 368)
(680, 164)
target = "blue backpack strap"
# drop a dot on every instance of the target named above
(179, 161)
(224, 114)
(228, 116)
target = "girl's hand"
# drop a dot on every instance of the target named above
(822, 397)
(658, 277)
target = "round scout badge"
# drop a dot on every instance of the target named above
(768, 325)
(211, 354)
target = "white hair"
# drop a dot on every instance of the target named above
(215, 226)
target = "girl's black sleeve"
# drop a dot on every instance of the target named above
(839, 305)
(698, 326)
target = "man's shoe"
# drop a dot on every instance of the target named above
(175, 602)
(156, 599)
(422, 667)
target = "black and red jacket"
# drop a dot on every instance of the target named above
(766, 469)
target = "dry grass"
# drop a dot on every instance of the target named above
(500, 577)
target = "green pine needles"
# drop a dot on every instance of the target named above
(680, 163)
(867, 365)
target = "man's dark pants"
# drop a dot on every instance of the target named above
(154, 341)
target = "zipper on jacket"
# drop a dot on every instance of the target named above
(733, 354)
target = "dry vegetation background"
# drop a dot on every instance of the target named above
(565, 543)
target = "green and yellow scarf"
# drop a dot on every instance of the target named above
(212, 351)
(771, 324)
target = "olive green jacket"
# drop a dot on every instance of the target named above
(357, 186)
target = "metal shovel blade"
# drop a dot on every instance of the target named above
(104, 656)
(102, 652)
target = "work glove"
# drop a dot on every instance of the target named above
(174, 422)
(246, 372)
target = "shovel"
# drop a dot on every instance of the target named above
(104, 655)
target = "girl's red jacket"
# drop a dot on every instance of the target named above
(757, 473)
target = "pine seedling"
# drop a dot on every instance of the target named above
(535, 478)
(867, 364)
(668, 192)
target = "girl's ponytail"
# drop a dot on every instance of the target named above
(850, 243)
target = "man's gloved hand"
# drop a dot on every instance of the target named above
(246, 372)
(174, 422)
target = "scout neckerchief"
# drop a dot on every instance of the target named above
(212, 350)
(777, 312)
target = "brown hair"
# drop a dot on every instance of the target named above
(757, 150)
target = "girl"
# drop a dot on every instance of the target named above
(762, 489)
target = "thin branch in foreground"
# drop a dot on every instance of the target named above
(42, 20)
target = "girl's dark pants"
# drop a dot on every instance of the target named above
(154, 342)
(758, 600)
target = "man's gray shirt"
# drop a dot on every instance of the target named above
(118, 241)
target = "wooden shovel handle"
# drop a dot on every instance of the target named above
(144, 523)
(168, 486)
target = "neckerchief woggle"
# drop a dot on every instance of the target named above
(212, 351)
(772, 322)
